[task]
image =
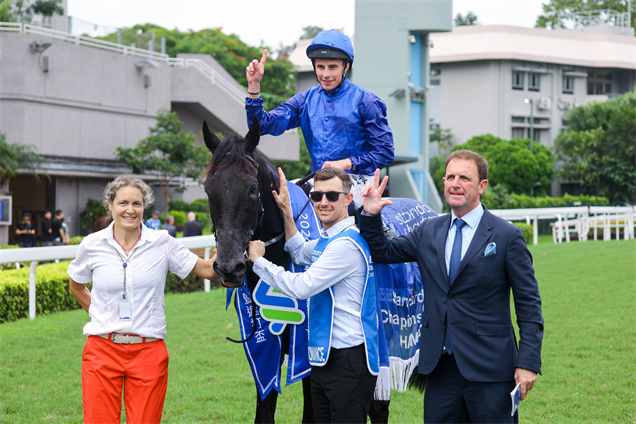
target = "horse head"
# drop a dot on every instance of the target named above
(238, 185)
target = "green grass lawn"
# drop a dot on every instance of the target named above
(589, 353)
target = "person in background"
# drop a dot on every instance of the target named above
(47, 237)
(470, 261)
(153, 222)
(344, 125)
(169, 226)
(60, 237)
(25, 231)
(66, 239)
(127, 264)
(192, 227)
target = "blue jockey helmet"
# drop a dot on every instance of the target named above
(330, 44)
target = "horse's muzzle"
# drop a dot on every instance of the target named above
(232, 285)
(232, 272)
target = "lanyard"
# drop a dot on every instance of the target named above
(125, 265)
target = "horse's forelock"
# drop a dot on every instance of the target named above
(229, 153)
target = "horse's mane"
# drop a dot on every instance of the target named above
(229, 153)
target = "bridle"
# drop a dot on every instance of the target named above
(260, 207)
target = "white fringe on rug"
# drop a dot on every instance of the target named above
(395, 377)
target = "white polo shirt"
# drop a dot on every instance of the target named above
(98, 261)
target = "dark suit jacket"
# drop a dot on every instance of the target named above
(192, 228)
(478, 302)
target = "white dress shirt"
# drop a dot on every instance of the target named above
(341, 265)
(472, 220)
(147, 265)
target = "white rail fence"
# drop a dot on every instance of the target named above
(579, 220)
(51, 253)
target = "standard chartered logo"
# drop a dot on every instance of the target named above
(277, 308)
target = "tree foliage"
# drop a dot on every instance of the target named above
(169, 152)
(469, 19)
(599, 148)
(512, 164)
(231, 53)
(19, 11)
(310, 32)
(14, 157)
(555, 12)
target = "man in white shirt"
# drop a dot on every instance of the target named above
(343, 314)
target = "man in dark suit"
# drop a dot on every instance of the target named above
(192, 227)
(469, 261)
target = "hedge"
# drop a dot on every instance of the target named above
(52, 292)
(499, 198)
(527, 231)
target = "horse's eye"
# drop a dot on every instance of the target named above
(254, 190)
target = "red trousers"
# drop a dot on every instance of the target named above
(141, 370)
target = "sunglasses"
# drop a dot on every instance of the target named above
(332, 196)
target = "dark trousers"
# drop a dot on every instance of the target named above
(342, 389)
(450, 398)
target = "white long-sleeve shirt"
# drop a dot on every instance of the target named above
(341, 265)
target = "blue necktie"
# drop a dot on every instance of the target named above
(456, 253)
(455, 259)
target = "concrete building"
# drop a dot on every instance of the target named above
(77, 99)
(481, 77)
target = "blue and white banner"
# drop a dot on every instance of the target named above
(401, 300)
(275, 311)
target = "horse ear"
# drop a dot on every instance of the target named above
(253, 136)
(211, 140)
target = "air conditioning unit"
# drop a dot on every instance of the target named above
(544, 103)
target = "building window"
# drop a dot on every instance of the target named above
(599, 83)
(521, 127)
(534, 81)
(518, 80)
(518, 133)
(568, 84)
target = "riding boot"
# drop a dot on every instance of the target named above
(266, 408)
(379, 411)
(308, 409)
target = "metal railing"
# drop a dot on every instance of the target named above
(577, 219)
(201, 66)
(51, 253)
(81, 40)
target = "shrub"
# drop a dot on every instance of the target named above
(527, 231)
(75, 240)
(93, 210)
(200, 205)
(52, 291)
(180, 217)
(203, 218)
(180, 205)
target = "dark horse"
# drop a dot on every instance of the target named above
(239, 184)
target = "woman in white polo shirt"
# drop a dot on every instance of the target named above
(127, 264)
